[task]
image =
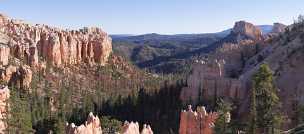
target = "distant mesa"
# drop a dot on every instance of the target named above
(247, 30)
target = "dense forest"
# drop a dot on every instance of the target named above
(43, 110)
(33, 112)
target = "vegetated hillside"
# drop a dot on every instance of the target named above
(284, 55)
(169, 53)
(154, 47)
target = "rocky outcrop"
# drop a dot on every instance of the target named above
(242, 33)
(244, 30)
(91, 126)
(208, 80)
(4, 96)
(20, 76)
(197, 122)
(38, 43)
(25, 76)
(278, 28)
(133, 128)
(4, 54)
(7, 73)
(130, 128)
(146, 129)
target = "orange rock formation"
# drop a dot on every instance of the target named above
(197, 122)
(36, 43)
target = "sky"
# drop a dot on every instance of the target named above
(152, 16)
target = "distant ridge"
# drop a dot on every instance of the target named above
(265, 30)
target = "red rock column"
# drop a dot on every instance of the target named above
(33, 57)
(63, 48)
(54, 55)
(4, 54)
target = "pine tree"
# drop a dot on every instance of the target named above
(61, 113)
(19, 115)
(264, 101)
(88, 105)
(253, 113)
(222, 124)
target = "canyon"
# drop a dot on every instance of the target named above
(84, 58)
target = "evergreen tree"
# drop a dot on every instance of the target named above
(87, 104)
(253, 113)
(19, 114)
(59, 126)
(222, 123)
(264, 101)
(110, 125)
(62, 110)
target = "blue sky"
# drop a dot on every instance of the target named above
(153, 16)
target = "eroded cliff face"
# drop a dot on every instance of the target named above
(37, 43)
(208, 80)
(218, 74)
(197, 122)
(221, 73)
(27, 49)
(236, 55)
